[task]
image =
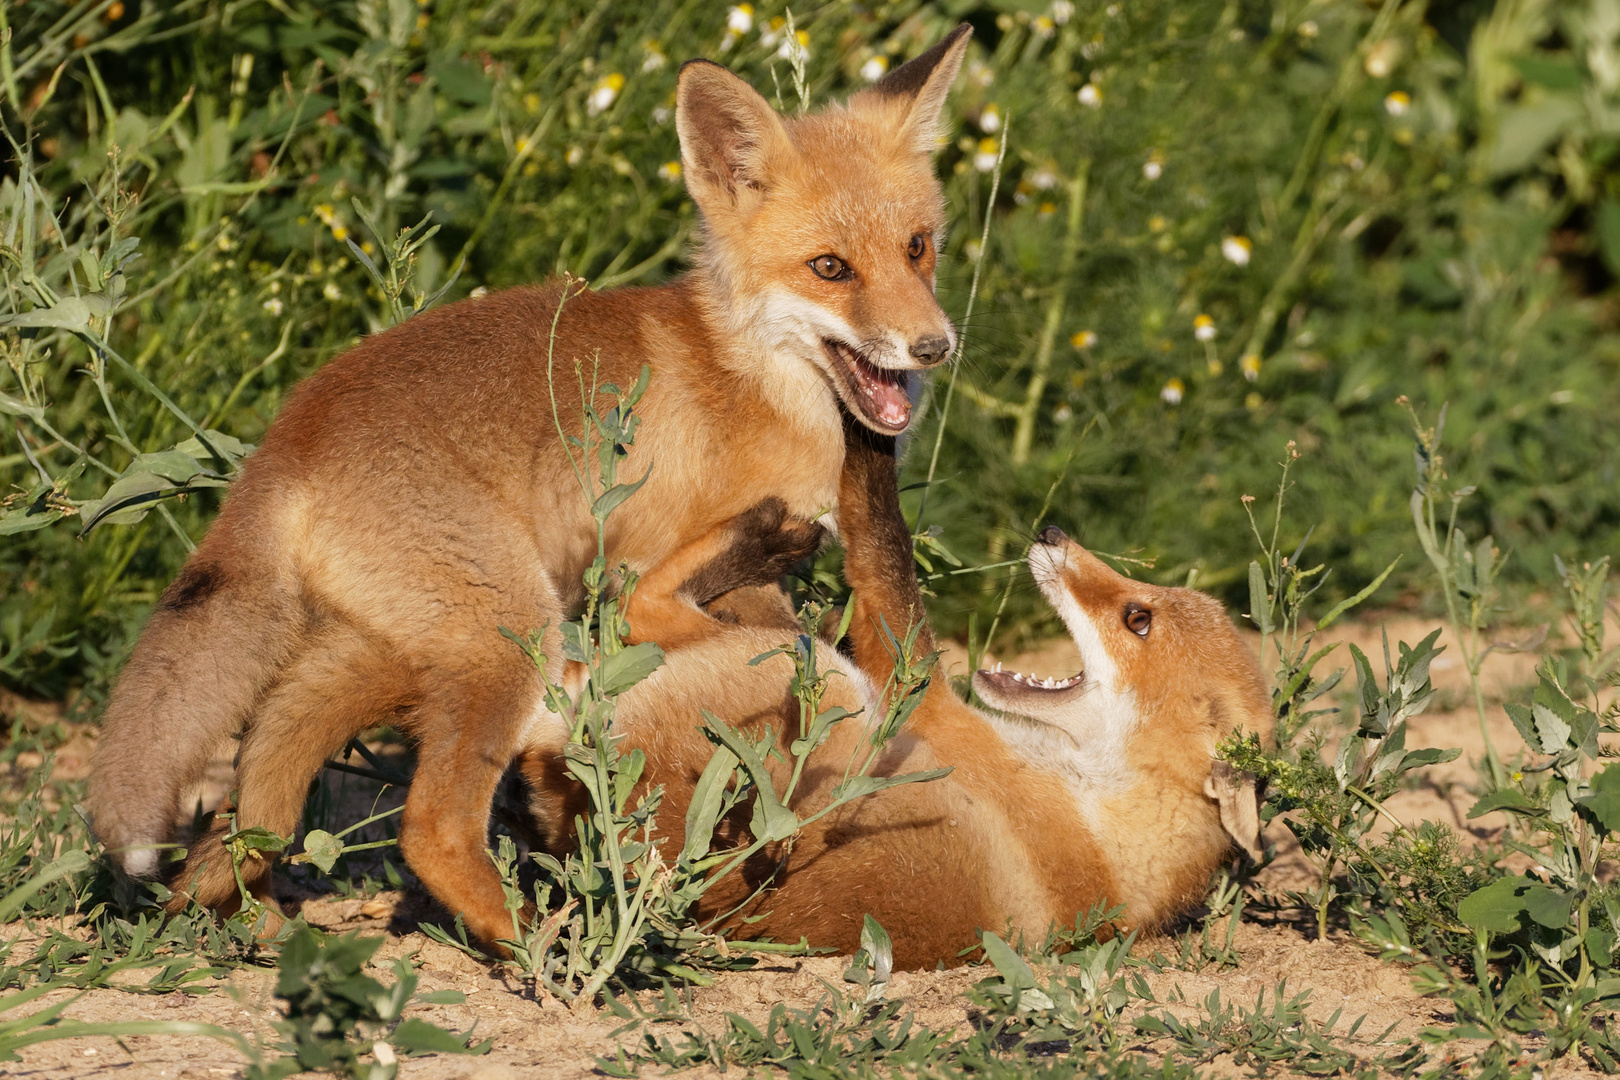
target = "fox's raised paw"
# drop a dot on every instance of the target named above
(765, 543)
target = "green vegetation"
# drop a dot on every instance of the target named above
(1189, 238)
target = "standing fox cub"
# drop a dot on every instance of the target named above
(1101, 787)
(416, 493)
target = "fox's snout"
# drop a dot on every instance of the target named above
(931, 349)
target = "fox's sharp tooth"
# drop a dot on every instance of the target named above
(1047, 683)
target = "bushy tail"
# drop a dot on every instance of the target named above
(214, 644)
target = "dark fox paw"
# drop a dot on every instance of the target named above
(765, 543)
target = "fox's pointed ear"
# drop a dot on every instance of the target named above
(915, 91)
(728, 133)
(1239, 802)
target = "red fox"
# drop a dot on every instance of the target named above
(416, 494)
(1104, 786)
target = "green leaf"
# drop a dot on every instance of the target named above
(322, 849)
(440, 997)
(860, 786)
(258, 838)
(1547, 906)
(1496, 908)
(417, 1036)
(1430, 756)
(1259, 599)
(1015, 973)
(628, 666)
(1345, 605)
(26, 518)
(609, 500)
(127, 500)
(1554, 74)
(771, 821)
(1510, 799)
(1603, 803)
(1525, 722)
(1553, 729)
(1526, 130)
(72, 313)
(15, 407)
(707, 798)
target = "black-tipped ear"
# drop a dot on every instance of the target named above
(920, 85)
(728, 133)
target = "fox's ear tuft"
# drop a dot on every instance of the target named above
(919, 87)
(1239, 801)
(728, 135)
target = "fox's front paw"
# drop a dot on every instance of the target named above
(765, 543)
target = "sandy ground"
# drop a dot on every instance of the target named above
(537, 1038)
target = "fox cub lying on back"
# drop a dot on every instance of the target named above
(416, 494)
(1100, 787)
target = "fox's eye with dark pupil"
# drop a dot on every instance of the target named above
(829, 267)
(1138, 619)
(917, 246)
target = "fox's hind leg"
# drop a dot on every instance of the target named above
(342, 683)
(468, 726)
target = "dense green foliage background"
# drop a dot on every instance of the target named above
(1357, 200)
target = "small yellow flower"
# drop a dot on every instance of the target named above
(331, 291)
(1215, 367)
(1237, 250)
(531, 102)
(1250, 366)
(1253, 400)
(1153, 167)
(1309, 29)
(1046, 209)
(670, 171)
(340, 232)
(740, 19)
(606, 92)
(1172, 392)
(422, 21)
(984, 155)
(522, 145)
(875, 68)
(1397, 103)
(1044, 26)
(273, 306)
(1083, 339)
(1090, 96)
(574, 156)
(325, 212)
(1063, 414)
(990, 119)
(1158, 223)
(1204, 328)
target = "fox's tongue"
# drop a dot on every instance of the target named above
(884, 390)
(889, 401)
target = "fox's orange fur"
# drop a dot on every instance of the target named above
(415, 495)
(1105, 790)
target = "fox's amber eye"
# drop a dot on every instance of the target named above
(830, 268)
(918, 245)
(1138, 619)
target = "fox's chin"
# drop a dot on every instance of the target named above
(876, 396)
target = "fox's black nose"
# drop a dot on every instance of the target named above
(931, 349)
(1052, 535)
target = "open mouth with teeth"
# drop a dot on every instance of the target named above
(1027, 695)
(877, 395)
